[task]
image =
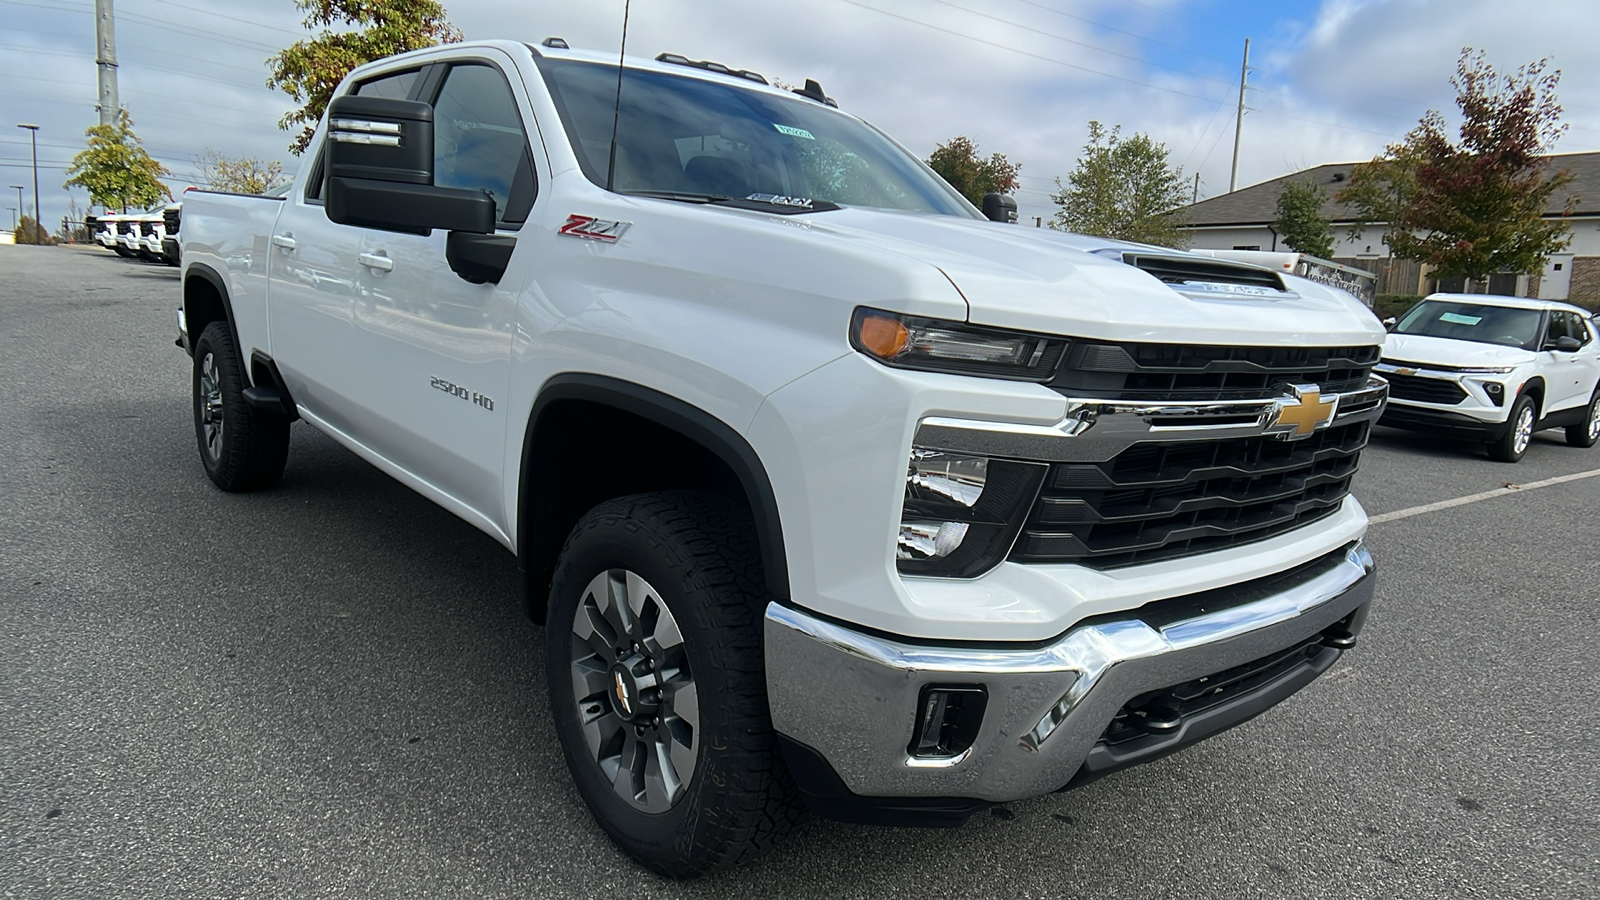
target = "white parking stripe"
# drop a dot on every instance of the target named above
(1474, 498)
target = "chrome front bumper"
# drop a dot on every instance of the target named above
(852, 697)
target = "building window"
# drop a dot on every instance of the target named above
(1558, 267)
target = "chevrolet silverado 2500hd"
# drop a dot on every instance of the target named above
(826, 488)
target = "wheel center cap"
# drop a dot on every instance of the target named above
(634, 688)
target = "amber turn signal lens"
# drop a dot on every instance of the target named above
(883, 336)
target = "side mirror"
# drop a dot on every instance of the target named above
(999, 208)
(1389, 323)
(380, 171)
(1565, 344)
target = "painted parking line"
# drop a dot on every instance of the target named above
(1474, 498)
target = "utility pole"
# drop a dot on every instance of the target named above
(21, 210)
(1238, 120)
(33, 131)
(1196, 189)
(105, 57)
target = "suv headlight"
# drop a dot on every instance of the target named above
(938, 345)
(961, 513)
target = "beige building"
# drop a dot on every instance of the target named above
(1243, 220)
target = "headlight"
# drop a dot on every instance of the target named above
(1485, 370)
(936, 345)
(961, 513)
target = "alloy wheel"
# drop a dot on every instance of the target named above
(1594, 419)
(211, 421)
(635, 693)
(1524, 429)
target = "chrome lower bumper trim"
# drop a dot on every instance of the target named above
(853, 697)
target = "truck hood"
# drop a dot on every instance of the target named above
(1419, 348)
(1037, 279)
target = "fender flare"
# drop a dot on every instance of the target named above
(212, 277)
(688, 420)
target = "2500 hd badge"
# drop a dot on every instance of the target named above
(456, 390)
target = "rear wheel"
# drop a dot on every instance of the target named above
(242, 448)
(657, 681)
(1587, 432)
(1514, 443)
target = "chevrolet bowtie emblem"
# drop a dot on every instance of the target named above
(622, 694)
(1303, 414)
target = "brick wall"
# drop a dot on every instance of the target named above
(1585, 286)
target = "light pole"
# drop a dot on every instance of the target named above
(20, 208)
(33, 134)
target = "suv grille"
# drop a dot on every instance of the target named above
(1163, 500)
(1163, 372)
(1424, 390)
(124, 228)
(170, 217)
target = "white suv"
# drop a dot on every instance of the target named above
(1494, 368)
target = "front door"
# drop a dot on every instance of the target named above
(436, 348)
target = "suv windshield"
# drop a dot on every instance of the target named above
(699, 140)
(1473, 322)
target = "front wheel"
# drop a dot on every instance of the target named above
(242, 448)
(1587, 432)
(657, 683)
(1514, 443)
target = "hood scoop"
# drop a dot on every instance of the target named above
(1200, 275)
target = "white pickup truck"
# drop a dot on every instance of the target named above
(829, 491)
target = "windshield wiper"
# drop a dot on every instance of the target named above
(774, 203)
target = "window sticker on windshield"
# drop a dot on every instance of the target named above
(1459, 319)
(795, 132)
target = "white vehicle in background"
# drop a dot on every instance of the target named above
(1494, 369)
(105, 230)
(1359, 282)
(152, 228)
(128, 235)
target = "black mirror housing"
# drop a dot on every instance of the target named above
(1566, 344)
(380, 171)
(999, 208)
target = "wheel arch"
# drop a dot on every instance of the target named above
(205, 300)
(558, 481)
(1534, 387)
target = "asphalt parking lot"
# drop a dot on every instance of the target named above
(328, 689)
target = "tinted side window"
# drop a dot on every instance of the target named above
(390, 87)
(478, 141)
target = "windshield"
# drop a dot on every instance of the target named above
(692, 138)
(1473, 322)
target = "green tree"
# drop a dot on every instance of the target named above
(310, 70)
(1123, 189)
(1300, 221)
(244, 175)
(115, 169)
(957, 161)
(1477, 206)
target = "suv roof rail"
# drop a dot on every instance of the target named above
(681, 60)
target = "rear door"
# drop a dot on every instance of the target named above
(436, 348)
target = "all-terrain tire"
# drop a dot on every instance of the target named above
(688, 560)
(241, 447)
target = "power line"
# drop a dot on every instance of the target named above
(235, 19)
(1027, 54)
(1079, 43)
(1133, 34)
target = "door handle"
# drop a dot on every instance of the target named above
(286, 241)
(376, 261)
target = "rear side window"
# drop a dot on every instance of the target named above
(479, 143)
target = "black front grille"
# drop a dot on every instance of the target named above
(1163, 372)
(1424, 390)
(170, 218)
(1162, 500)
(124, 228)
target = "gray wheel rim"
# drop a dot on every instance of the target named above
(636, 697)
(1524, 429)
(211, 422)
(1594, 419)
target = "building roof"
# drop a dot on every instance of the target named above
(1258, 203)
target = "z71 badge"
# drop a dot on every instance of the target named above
(594, 229)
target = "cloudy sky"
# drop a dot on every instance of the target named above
(1332, 80)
